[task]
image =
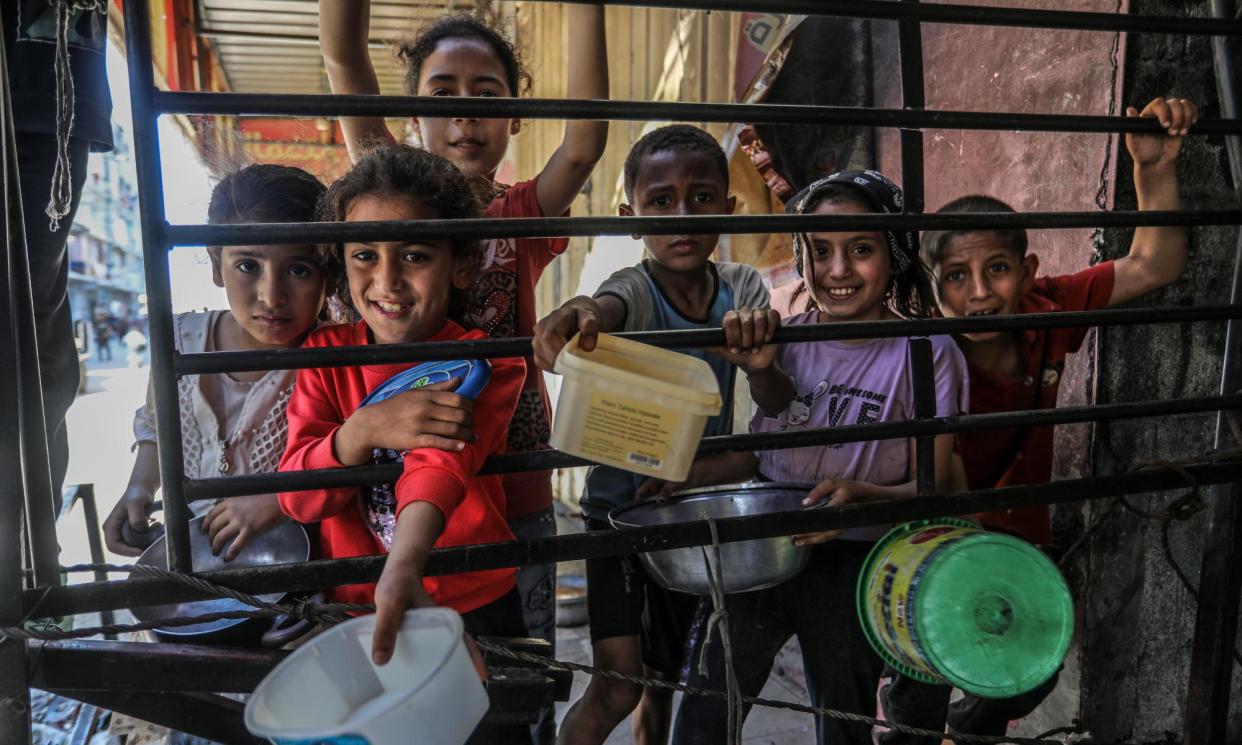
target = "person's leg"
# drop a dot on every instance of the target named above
(614, 612)
(668, 619)
(501, 617)
(653, 717)
(991, 716)
(758, 628)
(913, 703)
(49, 276)
(536, 586)
(841, 668)
(605, 703)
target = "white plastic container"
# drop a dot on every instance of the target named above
(328, 692)
(633, 406)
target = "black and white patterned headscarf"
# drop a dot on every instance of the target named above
(877, 191)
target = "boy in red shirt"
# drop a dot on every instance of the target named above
(989, 272)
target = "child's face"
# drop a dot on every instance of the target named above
(401, 289)
(849, 272)
(671, 183)
(980, 275)
(274, 292)
(465, 67)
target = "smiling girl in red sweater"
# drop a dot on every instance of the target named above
(406, 291)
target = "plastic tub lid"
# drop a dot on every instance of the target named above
(994, 615)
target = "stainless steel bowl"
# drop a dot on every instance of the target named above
(747, 565)
(285, 544)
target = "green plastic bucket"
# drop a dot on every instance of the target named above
(945, 602)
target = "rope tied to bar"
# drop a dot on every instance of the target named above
(718, 621)
(61, 198)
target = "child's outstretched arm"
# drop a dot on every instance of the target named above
(344, 28)
(580, 315)
(583, 145)
(1157, 254)
(400, 586)
(748, 337)
(431, 488)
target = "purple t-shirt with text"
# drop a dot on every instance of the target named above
(839, 384)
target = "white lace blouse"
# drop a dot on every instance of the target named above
(247, 441)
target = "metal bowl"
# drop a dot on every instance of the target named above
(747, 565)
(285, 544)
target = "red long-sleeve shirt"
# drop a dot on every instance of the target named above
(473, 505)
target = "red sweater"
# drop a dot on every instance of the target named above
(473, 505)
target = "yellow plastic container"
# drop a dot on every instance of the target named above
(633, 406)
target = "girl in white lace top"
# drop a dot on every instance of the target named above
(234, 423)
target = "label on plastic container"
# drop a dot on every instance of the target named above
(893, 597)
(626, 431)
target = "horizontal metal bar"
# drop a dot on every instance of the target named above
(135, 678)
(212, 717)
(142, 666)
(545, 227)
(94, 596)
(539, 460)
(204, 363)
(311, 104)
(973, 15)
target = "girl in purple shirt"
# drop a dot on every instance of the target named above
(849, 276)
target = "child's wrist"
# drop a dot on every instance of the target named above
(1156, 169)
(348, 446)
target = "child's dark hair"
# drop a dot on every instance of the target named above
(264, 192)
(936, 241)
(402, 170)
(463, 26)
(910, 293)
(679, 138)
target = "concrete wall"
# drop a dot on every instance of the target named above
(1136, 620)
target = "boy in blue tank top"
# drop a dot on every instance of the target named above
(637, 626)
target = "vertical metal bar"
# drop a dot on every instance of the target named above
(1216, 623)
(910, 47)
(90, 513)
(923, 370)
(910, 40)
(159, 293)
(14, 688)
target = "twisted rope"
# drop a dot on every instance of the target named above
(62, 176)
(719, 621)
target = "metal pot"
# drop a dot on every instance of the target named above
(747, 565)
(285, 544)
